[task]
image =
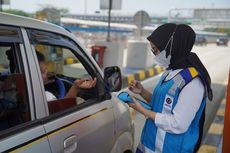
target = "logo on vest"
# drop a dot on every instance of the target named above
(168, 100)
(168, 104)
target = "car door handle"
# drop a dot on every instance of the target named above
(70, 144)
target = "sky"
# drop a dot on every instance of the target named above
(152, 7)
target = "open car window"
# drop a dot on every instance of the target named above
(64, 63)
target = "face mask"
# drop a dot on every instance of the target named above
(161, 58)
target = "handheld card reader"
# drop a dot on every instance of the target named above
(125, 97)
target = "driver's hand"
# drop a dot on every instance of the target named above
(85, 84)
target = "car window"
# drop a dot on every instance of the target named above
(64, 63)
(14, 105)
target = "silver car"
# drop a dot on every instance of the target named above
(92, 122)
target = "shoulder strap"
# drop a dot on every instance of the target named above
(165, 74)
(188, 74)
(183, 78)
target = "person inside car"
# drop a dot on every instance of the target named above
(49, 78)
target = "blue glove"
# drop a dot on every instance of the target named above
(124, 96)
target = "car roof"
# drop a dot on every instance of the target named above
(15, 20)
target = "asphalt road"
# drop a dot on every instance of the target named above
(217, 61)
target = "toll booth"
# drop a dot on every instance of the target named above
(98, 54)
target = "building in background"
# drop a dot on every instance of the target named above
(215, 18)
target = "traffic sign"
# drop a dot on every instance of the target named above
(141, 19)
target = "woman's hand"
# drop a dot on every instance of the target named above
(136, 87)
(85, 84)
(135, 105)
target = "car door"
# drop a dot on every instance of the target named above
(19, 129)
(84, 123)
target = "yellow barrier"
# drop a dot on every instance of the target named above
(130, 78)
(151, 72)
(141, 75)
(69, 61)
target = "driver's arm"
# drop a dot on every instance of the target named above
(72, 92)
(80, 84)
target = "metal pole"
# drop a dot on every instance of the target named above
(142, 24)
(169, 17)
(109, 20)
(1, 3)
(85, 7)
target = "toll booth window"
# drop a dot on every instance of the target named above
(60, 67)
(14, 107)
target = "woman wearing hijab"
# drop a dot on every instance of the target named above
(175, 122)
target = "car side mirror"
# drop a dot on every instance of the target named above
(112, 78)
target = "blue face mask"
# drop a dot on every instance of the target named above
(161, 58)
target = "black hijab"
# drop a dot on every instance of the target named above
(182, 43)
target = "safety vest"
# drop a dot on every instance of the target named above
(163, 100)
